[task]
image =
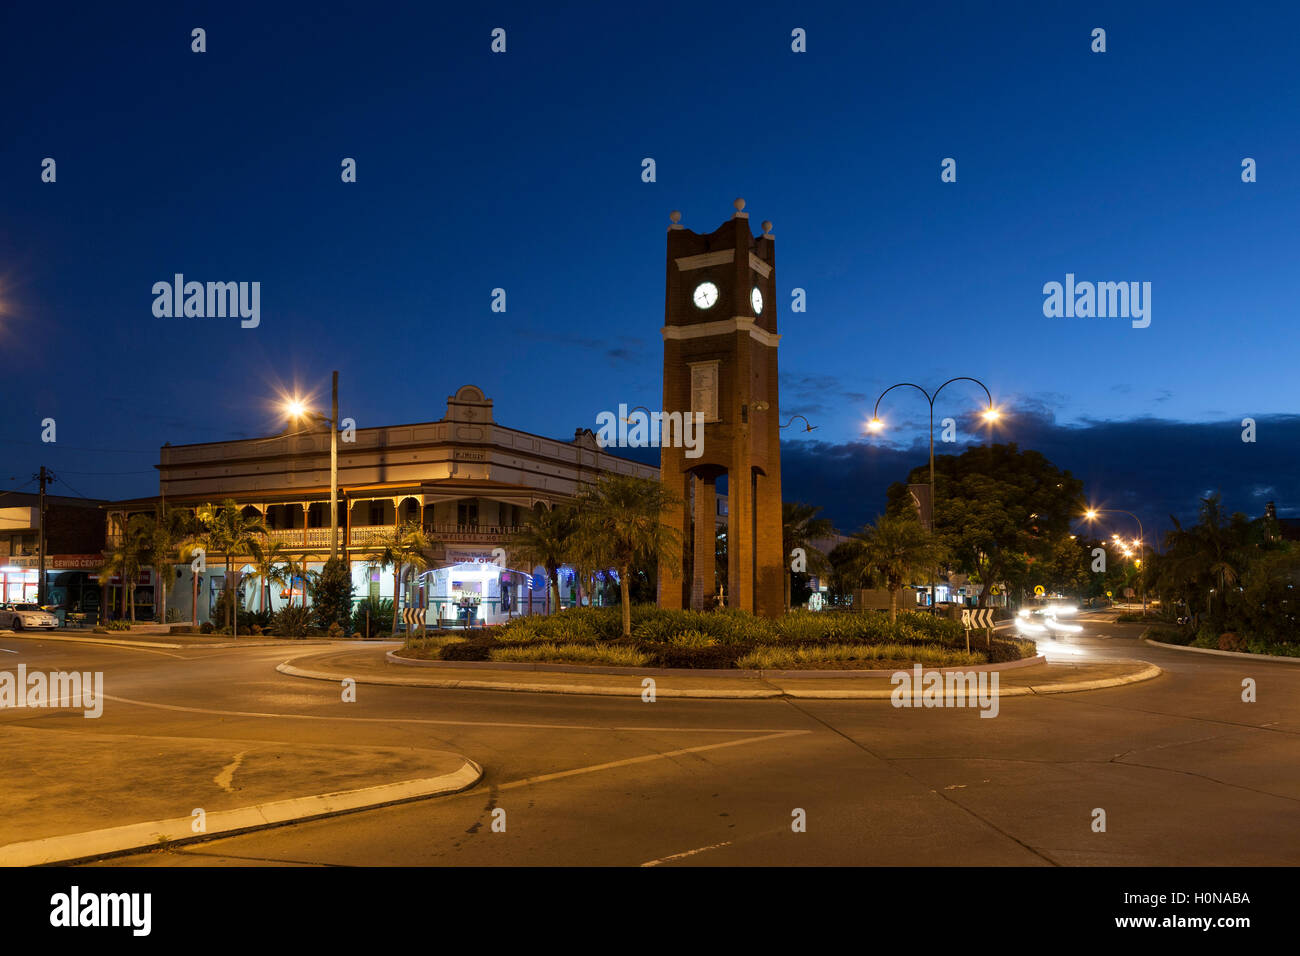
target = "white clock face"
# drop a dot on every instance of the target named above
(706, 293)
(756, 300)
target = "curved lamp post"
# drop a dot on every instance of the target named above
(807, 425)
(991, 414)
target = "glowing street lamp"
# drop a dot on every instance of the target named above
(297, 410)
(1091, 514)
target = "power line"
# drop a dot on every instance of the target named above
(58, 445)
(97, 474)
(154, 451)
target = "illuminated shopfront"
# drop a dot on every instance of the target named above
(19, 584)
(473, 594)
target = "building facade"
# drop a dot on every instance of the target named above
(74, 542)
(466, 480)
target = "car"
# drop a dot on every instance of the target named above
(20, 617)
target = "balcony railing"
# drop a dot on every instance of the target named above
(364, 536)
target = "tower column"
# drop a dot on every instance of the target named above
(705, 531)
(740, 535)
(672, 572)
(772, 561)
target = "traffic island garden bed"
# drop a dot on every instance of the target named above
(724, 640)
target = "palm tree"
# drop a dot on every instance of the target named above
(404, 546)
(227, 530)
(126, 558)
(547, 540)
(269, 560)
(588, 556)
(896, 549)
(296, 567)
(167, 533)
(800, 526)
(627, 515)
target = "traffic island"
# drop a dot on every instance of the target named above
(152, 792)
(1014, 678)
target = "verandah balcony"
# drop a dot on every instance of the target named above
(364, 536)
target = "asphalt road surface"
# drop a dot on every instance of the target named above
(1184, 770)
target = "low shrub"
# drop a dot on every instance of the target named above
(711, 657)
(1233, 642)
(118, 625)
(794, 657)
(618, 655)
(692, 638)
(206, 627)
(471, 650)
(292, 622)
(375, 614)
(1169, 634)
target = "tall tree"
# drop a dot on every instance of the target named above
(405, 546)
(800, 527)
(166, 534)
(225, 529)
(126, 558)
(547, 540)
(626, 514)
(1000, 512)
(269, 567)
(894, 550)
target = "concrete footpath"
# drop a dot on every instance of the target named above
(1020, 678)
(175, 642)
(86, 795)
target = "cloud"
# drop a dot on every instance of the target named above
(1152, 467)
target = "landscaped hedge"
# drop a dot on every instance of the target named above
(718, 640)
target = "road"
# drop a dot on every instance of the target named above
(1184, 770)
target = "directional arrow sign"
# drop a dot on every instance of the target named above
(977, 617)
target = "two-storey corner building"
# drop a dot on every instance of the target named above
(466, 480)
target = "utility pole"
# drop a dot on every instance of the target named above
(334, 468)
(44, 477)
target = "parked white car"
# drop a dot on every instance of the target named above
(19, 617)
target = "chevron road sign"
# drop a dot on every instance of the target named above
(976, 617)
(413, 617)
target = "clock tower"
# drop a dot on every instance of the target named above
(720, 345)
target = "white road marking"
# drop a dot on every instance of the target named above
(7, 651)
(227, 775)
(678, 856)
(629, 761)
(447, 723)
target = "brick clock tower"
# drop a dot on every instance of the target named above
(720, 359)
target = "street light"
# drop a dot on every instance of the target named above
(991, 414)
(807, 425)
(1091, 514)
(297, 409)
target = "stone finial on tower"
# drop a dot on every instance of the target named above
(676, 217)
(767, 229)
(740, 213)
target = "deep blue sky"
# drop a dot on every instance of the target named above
(522, 171)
